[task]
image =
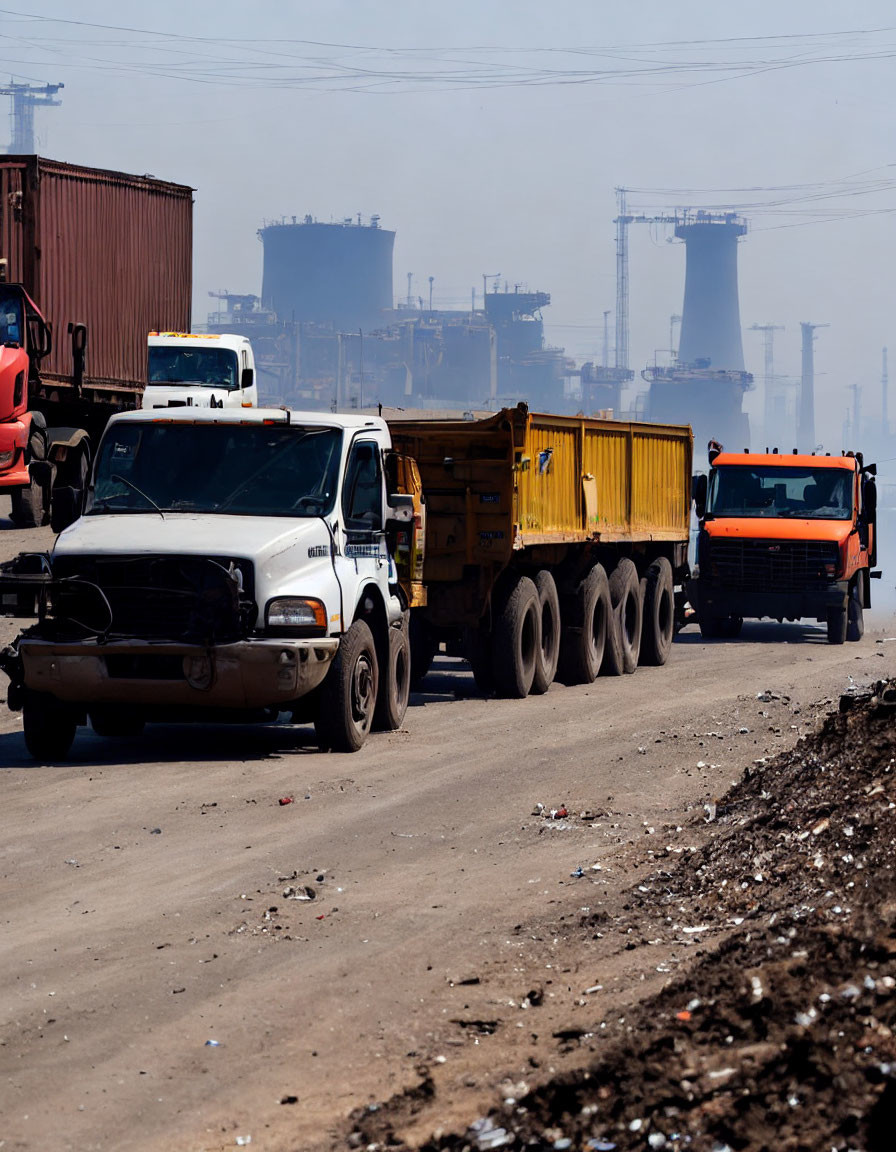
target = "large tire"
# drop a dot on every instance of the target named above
(658, 627)
(49, 726)
(78, 476)
(478, 652)
(628, 611)
(395, 681)
(548, 654)
(837, 624)
(116, 723)
(586, 629)
(423, 650)
(855, 615)
(29, 505)
(347, 699)
(516, 640)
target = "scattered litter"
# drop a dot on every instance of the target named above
(559, 813)
(285, 800)
(486, 1134)
(155, 832)
(684, 1015)
(578, 874)
(213, 1043)
(303, 892)
(289, 1099)
(242, 1141)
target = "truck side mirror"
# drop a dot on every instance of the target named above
(247, 378)
(401, 510)
(869, 499)
(698, 494)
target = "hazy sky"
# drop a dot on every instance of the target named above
(491, 135)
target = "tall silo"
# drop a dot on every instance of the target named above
(334, 274)
(710, 318)
(705, 386)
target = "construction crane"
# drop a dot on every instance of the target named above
(25, 98)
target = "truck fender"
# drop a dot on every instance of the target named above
(371, 608)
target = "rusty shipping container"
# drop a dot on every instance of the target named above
(104, 249)
(526, 489)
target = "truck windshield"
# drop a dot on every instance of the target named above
(205, 367)
(234, 469)
(10, 318)
(810, 493)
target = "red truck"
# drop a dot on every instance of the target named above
(90, 262)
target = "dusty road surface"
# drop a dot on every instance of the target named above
(187, 963)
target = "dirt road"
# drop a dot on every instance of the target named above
(164, 984)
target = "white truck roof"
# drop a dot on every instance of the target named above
(194, 415)
(197, 340)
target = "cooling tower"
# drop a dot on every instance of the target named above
(339, 274)
(710, 318)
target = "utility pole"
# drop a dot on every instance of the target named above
(856, 390)
(25, 98)
(622, 221)
(770, 418)
(430, 292)
(606, 338)
(806, 427)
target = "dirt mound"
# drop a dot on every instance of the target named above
(780, 1034)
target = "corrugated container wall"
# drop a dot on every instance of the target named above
(104, 249)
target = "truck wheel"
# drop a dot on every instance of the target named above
(49, 726)
(659, 614)
(395, 681)
(29, 505)
(548, 653)
(423, 650)
(586, 633)
(837, 625)
(516, 641)
(855, 616)
(116, 723)
(628, 611)
(731, 627)
(348, 693)
(478, 651)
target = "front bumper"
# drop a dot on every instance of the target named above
(247, 674)
(712, 600)
(13, 441)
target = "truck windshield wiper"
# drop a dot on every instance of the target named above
(130, 484)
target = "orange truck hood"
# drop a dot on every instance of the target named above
(778, 528)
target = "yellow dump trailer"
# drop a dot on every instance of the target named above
(588, 517)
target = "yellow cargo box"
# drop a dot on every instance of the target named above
(520, 480)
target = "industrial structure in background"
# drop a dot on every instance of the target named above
(706, 381)
(25, 98)
(327, 336)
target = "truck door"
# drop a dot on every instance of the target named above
(364, 540)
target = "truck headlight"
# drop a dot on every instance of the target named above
(296, 614)
(6, 458)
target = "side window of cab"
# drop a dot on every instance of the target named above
(362, 496)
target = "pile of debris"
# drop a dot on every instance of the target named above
(781, 1033)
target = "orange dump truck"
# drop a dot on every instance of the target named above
(554, 545)
(787, 537)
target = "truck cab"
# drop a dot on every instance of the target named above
(200, 371)
(786, 537)
(235, 563)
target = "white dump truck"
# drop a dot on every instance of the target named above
(201, 370)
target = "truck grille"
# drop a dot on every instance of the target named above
(185, 599)
(772, 565)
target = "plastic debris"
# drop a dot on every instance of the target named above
(285, 800)
(242, 1141)
(213, 1043)
(486, 1134)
